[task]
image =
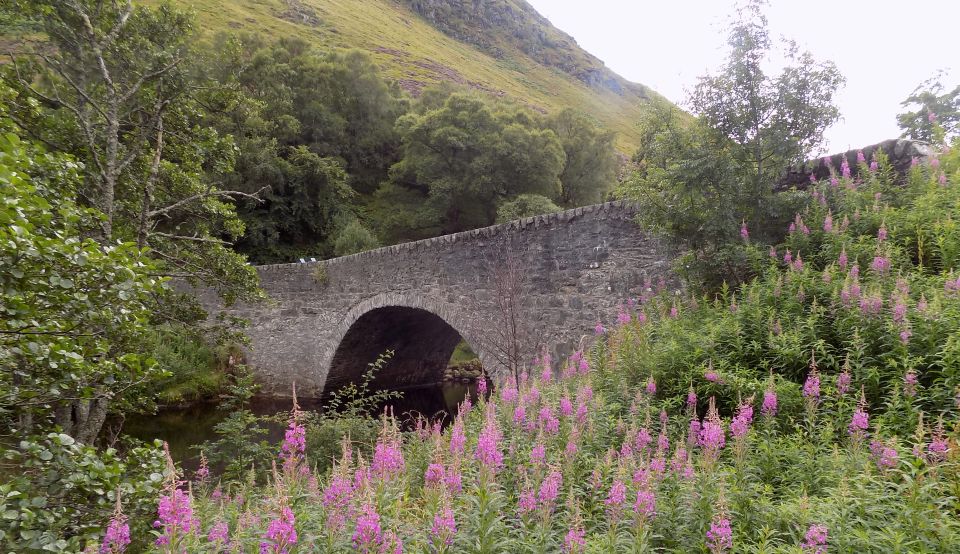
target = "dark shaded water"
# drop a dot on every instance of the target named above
(185, 428)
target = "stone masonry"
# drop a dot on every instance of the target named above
(326, 320)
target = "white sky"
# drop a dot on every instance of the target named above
(883, 48)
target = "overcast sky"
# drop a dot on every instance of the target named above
(883, 48)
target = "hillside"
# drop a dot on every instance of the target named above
(502, 47)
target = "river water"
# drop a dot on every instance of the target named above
(184, 428)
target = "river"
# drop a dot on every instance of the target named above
(183, 428)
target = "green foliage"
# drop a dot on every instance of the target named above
(698, 181)
(776, 321)
(353, 238)
(241, 444)
(525, 205)
(464, 159)
(193, 369)
(74, 311)
(936, 119)
(55, 493)
(590, 170)
(115, 89)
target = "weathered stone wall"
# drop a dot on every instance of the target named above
(899, 152)
(579, 264)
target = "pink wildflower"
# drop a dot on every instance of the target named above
(368, 535)
(651, 386)
(175, 516)
(744, 233)
(549, 490)
(574, 542)
(910, 382)
(815, 541)
(646, 504)
(280, 534)
(219, 533)
(599, 329)
(720, 535)
(117, 537)
(616, 498)
(444, 527)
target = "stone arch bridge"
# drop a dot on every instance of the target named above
(561, 272)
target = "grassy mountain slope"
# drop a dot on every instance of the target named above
(501, 47)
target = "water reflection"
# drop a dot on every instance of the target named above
(185, 428)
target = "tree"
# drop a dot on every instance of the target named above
(465, 159)
(74, 310)
(525, 205)
(699, 180)
(773, 121)
(936, 118)
(114, 88)
(590, 171)
(317, 128)
(353, 238)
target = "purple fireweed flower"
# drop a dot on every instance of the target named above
(880, 264)
(938, 447)
(527, 501)
(741, 422)
(744, 233)
(453, 480)
(712, 436)
(219, 533)
(663, 442)
(434, 474)
(581, 413)
(574, 542)
(509, 394)
(922, 304)
(797, 263)
(175, 516)
(658, 465)
(599, 329)
(899, 311)
(538, 454)
(845, 169)
(482, 385)
(860, 421)
(458, 439)
(720, 536)
(549, 490)
(623, 317)
(616, 498)
(788, 257)
(280, 534)
(711, 376)
(811, 387)
(815, 541)
(934, 162)
(942, 179)
(769, 407)
(444, 527)
(693, 433)
(519, 414)
(691, 399)
(646, 504)
(813, 178)
(882, 232)
(294, 444)
(368, 535)
(488, 450)
(566, 406)
(117, 537)
(910, 383)
(642, 440)
(861, 159)
(854, 271)
(885, 456)
(828, 223)
(674, 312)
(834, 182)
(387, 458)
(651, 386)
(843, 381)
(905, 335)
(773, 252)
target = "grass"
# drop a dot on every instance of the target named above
(408, 48)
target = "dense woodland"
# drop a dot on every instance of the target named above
(133, 156)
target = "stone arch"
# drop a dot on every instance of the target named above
(422, 331)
